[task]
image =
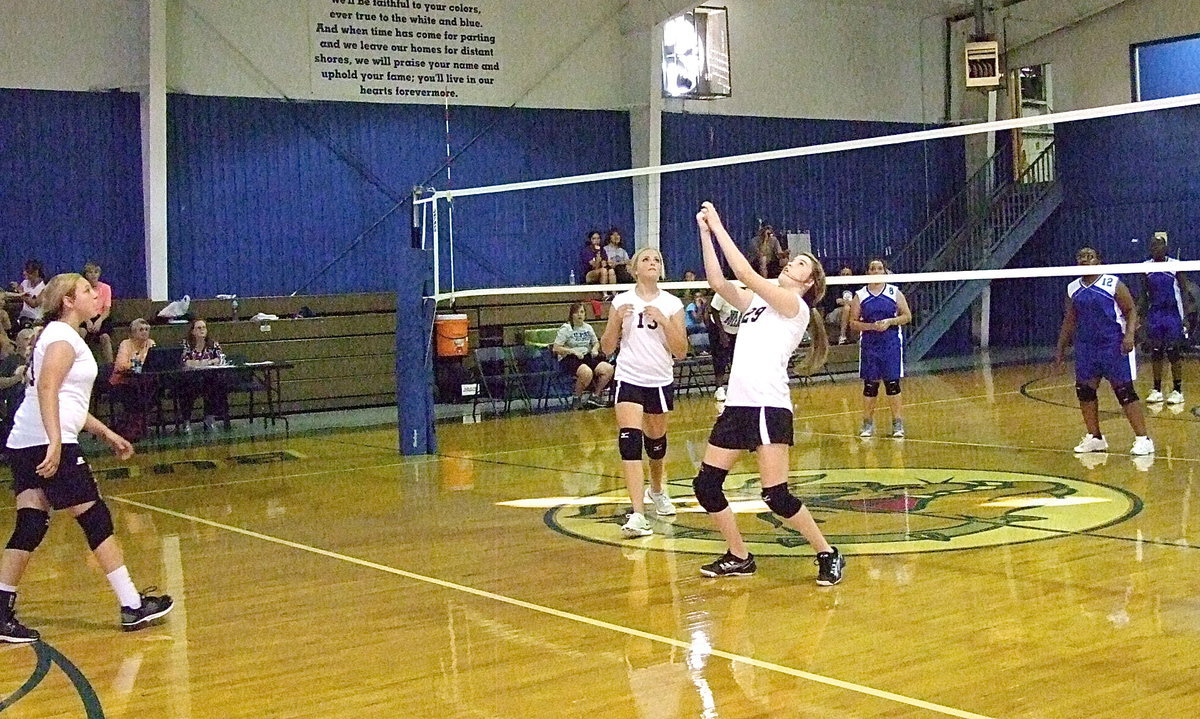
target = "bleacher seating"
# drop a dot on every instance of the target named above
(344, 357)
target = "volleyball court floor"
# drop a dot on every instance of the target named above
(991, 573)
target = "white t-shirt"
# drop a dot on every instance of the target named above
(727, 314)
(33, 313)
(579, 340)
(73, 397)
(645, 359)
(766, 341)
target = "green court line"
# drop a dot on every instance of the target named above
(48, 656)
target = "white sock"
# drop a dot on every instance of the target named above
(7, 588)
(127, 594)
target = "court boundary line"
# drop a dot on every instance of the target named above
(568, 616)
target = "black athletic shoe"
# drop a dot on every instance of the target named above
(829, 567)
(152, 608)
(14, 632)
(730, 566)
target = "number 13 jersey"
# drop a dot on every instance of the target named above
(644, 359)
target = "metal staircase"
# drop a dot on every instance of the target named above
(980, 228)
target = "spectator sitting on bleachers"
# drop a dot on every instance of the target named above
(14, 356)
(578, 350)
(594, 262)
(837, 310)
(693, 320)
(767, 256)
(130, 387)
(29, 289)
(618, 258)
(200, 351)
(98, 330)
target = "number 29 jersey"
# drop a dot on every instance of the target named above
(766, 341)
(644, 359)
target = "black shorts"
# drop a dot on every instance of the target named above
(570, 363)
(654, 400)
(73, 483)
(751, 427)
(106, 328)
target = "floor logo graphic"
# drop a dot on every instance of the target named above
(868, 511)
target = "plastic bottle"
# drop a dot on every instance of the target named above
(572, 276)
(233, 308)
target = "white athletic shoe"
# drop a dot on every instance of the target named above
(1092, 444)
(719, 395)
(1176, 397)
(1142, 446)
(636, 526)
(662, 503)
(868, 429)
(1155, 396)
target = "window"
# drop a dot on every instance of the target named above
(1165, 68)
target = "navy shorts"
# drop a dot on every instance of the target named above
(751, 427)
(73, 483)
(571, 363)
(1164, 330)
(881, 362)
(654, 400)
(1105, 362)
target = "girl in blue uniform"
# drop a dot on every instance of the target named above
(1101, 319)
(1165, 331)
(878, 311)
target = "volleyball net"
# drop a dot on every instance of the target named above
(983, 248)
(935, 199)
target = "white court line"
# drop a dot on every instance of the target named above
(579, 618)
(709, 429)
(1018, 448)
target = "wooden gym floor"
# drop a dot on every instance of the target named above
(991, 574)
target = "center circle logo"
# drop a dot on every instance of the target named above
(870, 511)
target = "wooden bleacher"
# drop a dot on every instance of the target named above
(502, 320)
(344, 357)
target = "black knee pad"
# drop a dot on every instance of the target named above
(781, 500)
(1174, 354)
(96, 523)
(707, 486)
(629, 442)
(1157, 353)
(892, 387)
(1125, 393)
(1084, 392)
(30, 530)
(870, 388)
(656, 448)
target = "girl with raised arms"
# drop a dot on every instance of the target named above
(758, 404)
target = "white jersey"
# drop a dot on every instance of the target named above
(645, 360)
(73, 397)
(729, 315)
(766, 341)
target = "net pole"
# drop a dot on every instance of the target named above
(437, 250)
(450, 234)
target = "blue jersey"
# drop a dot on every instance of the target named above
(1098, 320)
(1162, 292)
(882, 306)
